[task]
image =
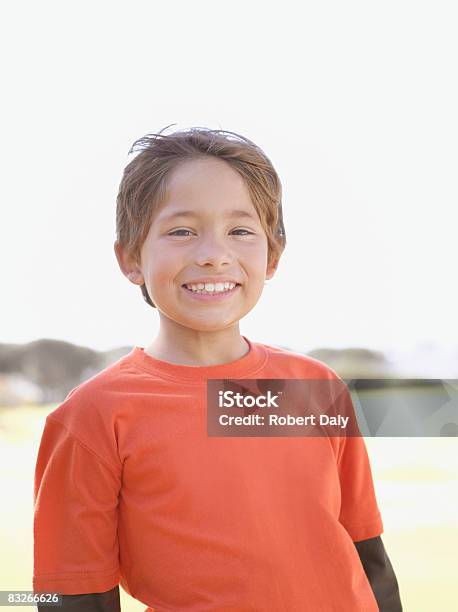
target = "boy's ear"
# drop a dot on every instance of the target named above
(271, 268)
(128, 266)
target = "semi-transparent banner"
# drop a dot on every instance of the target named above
(349, 407)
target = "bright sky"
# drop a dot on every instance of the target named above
(354, 102)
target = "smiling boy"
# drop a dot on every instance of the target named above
(130, 489)
(189, 245)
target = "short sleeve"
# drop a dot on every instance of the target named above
(75, 516)
(359, 512)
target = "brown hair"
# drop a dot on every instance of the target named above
(144, 183)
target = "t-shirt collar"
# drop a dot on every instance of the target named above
(245, 367)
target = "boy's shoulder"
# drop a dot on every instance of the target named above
(297, 365)
(88, 416)
(95, 394)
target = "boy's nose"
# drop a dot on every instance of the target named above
(214, 251)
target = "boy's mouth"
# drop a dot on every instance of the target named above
(211, 289)
(219, 294)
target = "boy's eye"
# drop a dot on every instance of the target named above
(178, 230)
(175, 232)
(242, 230)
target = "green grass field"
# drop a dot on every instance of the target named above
(416, 484)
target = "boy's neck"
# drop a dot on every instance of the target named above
(194, 348)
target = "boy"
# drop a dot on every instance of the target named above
(130, 489)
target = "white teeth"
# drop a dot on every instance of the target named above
(211, 287)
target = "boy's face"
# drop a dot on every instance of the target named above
(207, 229)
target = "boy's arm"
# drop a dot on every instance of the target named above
(380, 574)
(76, 497)
(91, 602)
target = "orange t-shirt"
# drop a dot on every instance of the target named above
(130, 489)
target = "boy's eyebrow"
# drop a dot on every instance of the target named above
(190, 213)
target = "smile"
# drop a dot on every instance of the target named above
(212, 292)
